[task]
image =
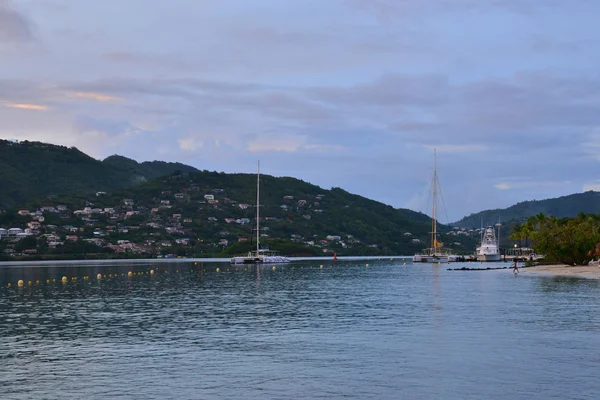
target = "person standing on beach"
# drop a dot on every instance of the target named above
(515, 266)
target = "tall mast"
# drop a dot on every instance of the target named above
(433, 220)
(257, 208)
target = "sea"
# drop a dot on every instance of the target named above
(310, 329)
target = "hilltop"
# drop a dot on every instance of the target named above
(31, 170)
(565, 206)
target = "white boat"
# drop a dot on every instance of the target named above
(436, 253)
(259, 256)
(488, 250)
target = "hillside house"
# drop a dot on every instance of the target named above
(34, 225)
(176, 216)
(165, 202)
(213, 219)
(61, 208)
(3, 232)
(98, 194)
(128, 202)
(333, 237)
(223, 242)
(209, 196)
(288, 197)
(415, 241)
(243, 206)
(14, 231)
(243, 239)
(179, 196)
(47, 209)
(23, 212)
(72, 238)
(229, 220)
(187, 221)
(407, 234)
(217, 191)
(183, 241)
(301, 202)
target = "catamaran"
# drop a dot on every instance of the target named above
(259, 256)
(436, 253)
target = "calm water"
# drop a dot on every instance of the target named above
(386, 331)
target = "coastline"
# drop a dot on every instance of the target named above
(580, 271)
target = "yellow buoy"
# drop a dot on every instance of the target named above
(104, 276)
(8, 284)
(176, 270)
(29, 283)
(37, 282)
(64, 279)
(218, 270)
(47, 281)
(20, 283)
(273, 268)
(404, 264)
(321, 266)
(53, 280)
(367, 265)
(99, 276)
(151, 272)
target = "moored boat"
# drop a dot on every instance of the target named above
(259, 256)
(488, 250)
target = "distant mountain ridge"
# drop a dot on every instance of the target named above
(565, 206)
(30, 170)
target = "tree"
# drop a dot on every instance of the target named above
(565, 240)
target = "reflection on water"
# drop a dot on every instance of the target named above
(386, 331)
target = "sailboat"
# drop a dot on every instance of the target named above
(436, 253)
(259, 256)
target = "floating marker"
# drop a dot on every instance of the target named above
(64, 279)
(218, 270)
(273, 268)
(53, 280)
(47, 281)
(151, 272)
(367, 265)
(29, 283)
(99, 276)
(8, 284)
(37, 282)
(20, 283)
(404, 264)
(321, 266)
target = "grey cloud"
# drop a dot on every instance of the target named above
(14, 26)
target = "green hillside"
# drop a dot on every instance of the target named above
(293, 213)
(29, 170)
(566, 206)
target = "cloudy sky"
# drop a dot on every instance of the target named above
(347, 93)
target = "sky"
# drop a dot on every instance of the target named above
(354, 94)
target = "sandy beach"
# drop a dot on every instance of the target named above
(587, 271)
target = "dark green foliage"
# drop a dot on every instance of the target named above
(569, 241)
(566, 206)
(32, 170)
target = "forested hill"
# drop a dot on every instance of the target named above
(566, 206)
(30, 170)
(215, 208)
